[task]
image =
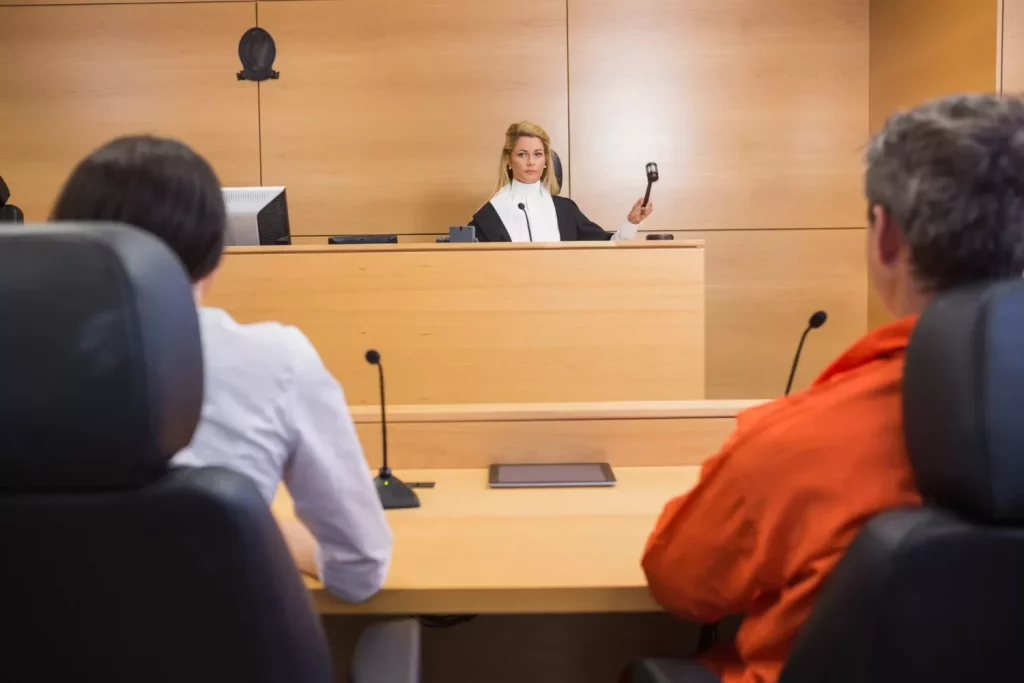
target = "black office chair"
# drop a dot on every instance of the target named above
(9, 213)
(115, 567)
(936, 594)
(557, 163)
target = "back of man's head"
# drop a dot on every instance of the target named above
(949, 175)
(155, 184)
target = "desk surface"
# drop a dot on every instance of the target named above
(476, 246)
(471, 549)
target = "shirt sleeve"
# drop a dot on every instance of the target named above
(627, 232)
(329, 480)
(702, 559)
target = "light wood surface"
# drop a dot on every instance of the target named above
(1011, 43)
(924, 49)
(754, 110)
(640, 433)
(389, 116)
(74, 77)
(762, 286)
(473, 550)
(487, 323)
(554, 412)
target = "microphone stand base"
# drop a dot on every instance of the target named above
(395, 494)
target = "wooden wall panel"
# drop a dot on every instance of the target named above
(754, 110)
(475, 444)
(479, 323)
(38, 3)
(762, 286)
(71, 78)
(389, 116)
(923, 49)
(1011, 58)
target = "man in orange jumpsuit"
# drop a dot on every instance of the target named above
(776, 508)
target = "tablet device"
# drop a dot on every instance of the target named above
(521, 476)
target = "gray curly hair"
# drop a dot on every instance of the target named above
(951, 175)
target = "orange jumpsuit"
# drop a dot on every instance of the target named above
(776, 508)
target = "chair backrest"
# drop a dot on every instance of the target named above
(937, 594)
(115, 567)
(557, 162)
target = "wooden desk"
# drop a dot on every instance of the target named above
(474, 550)
(487, 323)
(624, 433)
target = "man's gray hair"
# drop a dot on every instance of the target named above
(951, 175)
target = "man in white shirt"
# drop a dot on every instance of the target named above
(271, 409)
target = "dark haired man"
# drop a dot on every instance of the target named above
(271, 409)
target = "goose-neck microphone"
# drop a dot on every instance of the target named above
(816, 321)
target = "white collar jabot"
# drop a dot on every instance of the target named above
(538, 204)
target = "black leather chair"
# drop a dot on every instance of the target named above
(9, 213)
(936, 594)
(115, 567)
(557, 163)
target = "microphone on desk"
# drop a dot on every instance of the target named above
(394, 493)
(816, 321)
(522, 207)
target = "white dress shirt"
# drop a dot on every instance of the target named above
(272, 411)
(538, 203)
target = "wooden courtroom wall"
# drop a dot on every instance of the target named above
(924, 49)
(388, 117)
(1011, 44)
(71, 78)
(756, 112)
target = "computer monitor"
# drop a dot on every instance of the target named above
(256, 215)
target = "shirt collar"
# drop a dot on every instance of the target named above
(878, 343)
(521, 191)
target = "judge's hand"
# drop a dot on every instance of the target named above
(639, 212)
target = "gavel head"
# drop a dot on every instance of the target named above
(652, 172)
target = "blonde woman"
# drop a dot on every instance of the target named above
(525, 206)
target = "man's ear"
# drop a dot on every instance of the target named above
(888, 240)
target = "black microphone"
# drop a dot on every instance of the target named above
(522, 208)
(394, 493)
(816, 321)
(652, 177)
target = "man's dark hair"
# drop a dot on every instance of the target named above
(155, 184)
(951, 175)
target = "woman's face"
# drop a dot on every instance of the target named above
(527, 160)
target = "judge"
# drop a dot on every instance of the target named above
(525, 206)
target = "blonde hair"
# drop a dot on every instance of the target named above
(526, 129)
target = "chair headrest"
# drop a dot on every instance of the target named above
(557, 163)
(963, 401)
(101, 374)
